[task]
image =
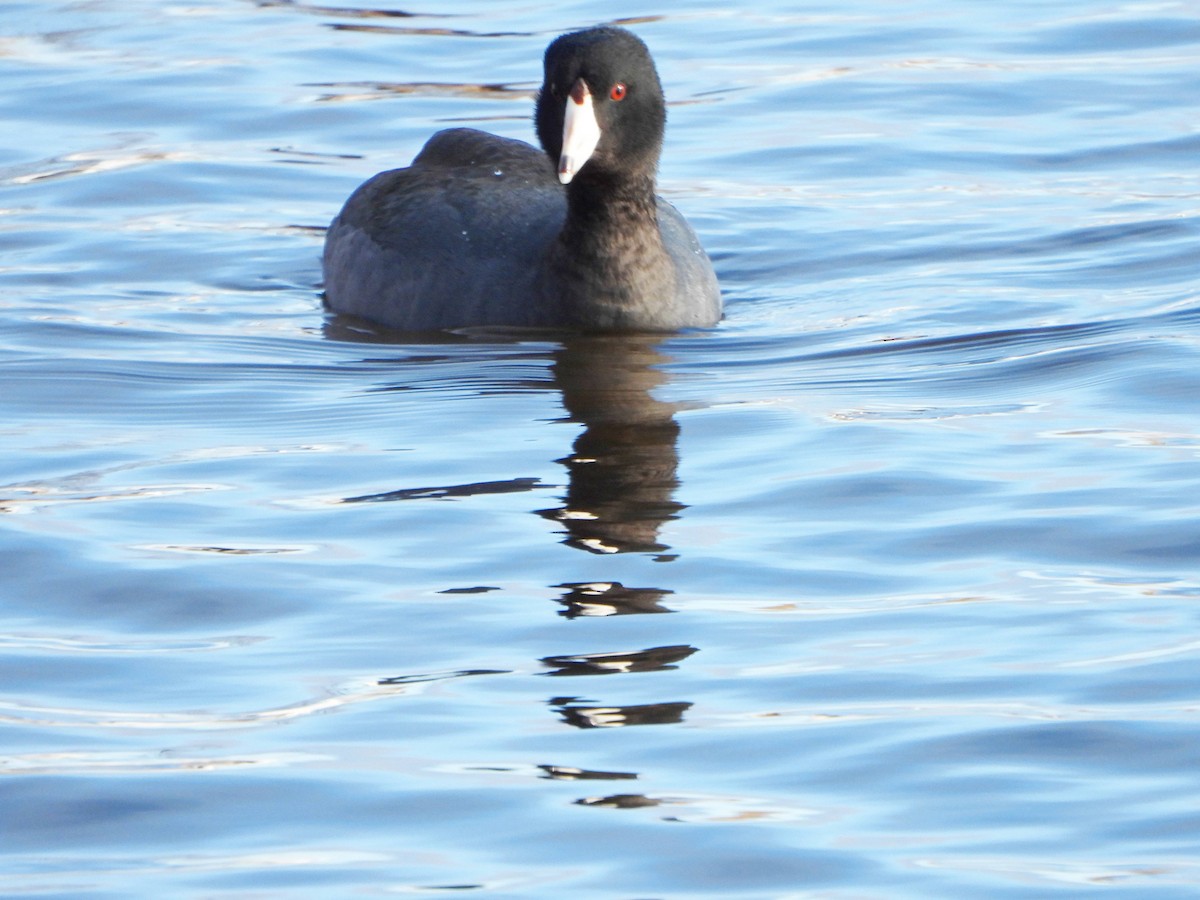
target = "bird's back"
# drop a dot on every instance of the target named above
(459, 237)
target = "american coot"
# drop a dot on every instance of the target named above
(480, 229)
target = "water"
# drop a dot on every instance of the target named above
(887, 587)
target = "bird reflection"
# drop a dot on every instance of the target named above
(447, 492)
(619, 801)
(656, 659)
(570, 773)
(623, 466)
(609, 598)
(583, 715)
(620, 493)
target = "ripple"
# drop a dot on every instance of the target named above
(86, 486)
(428, 31)
(1083, 873)
(357, 91)
(347, 695)
(42, 643)
(29, 498)
(86, 162)
(227, 550)
(117, 762)
(933, 710)
(347, 12)
(272, 859)
(717, 809)
(1137, 657)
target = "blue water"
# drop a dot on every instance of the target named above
(885, 588)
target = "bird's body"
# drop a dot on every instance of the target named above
(480, 231)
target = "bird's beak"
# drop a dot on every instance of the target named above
(581, 133)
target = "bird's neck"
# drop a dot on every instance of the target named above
(610, 256)
(597, 204)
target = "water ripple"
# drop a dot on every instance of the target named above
(126, 763)
(925, 499)
(346, 695)
(45, 643)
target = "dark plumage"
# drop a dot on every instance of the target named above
(480, 230)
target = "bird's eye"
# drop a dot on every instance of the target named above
(618, 91)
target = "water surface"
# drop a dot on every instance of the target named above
(886, 587)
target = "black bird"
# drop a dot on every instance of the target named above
(485, 231)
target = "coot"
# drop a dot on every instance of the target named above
(485, 231)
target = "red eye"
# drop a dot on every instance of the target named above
(618, 91)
